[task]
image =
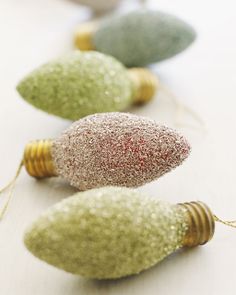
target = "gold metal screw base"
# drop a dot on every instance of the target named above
(38, 159)
(201, 224)
(83, 36)
(145, 84)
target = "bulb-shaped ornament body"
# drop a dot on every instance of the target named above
(83, 83)
(108, 149)
(137, 38)
(112, 232)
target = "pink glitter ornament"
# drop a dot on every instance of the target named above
(111, 149)
(104, 149)
(118, 149)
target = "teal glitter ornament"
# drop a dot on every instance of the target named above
(83, 83)
(138, 38)
(113, 232)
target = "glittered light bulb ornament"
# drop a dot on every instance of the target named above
(138, 38)
(108, 149)
(110, 232)
(83, 83)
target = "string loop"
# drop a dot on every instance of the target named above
(231, 223)
(180, 109)
(10, 186)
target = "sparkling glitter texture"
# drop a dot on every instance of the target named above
(107, 233)
(77, 85)
(143, 37)
(117, 149)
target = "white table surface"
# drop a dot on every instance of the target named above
(203, 78)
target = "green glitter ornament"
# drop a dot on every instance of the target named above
(138, 38)
(113, 232)
(83, 83)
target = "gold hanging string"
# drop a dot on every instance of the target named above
(10, 186)
(14, 179)
(228, 223)
(181, 109)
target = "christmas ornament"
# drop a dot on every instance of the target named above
(80, 84)
(99, 6)
(113, 232)
(138, 38)
(107, 149)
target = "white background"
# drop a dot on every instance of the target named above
(203, 78)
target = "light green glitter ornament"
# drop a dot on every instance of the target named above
(138, 38)
(83, 83)
(113, 232)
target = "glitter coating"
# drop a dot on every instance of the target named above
(143, 37)
(117, 149)
(107, 233)
(78, 84)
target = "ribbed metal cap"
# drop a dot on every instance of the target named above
(38, 159)
(84, 35)
(145, 84)
(201, 224)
